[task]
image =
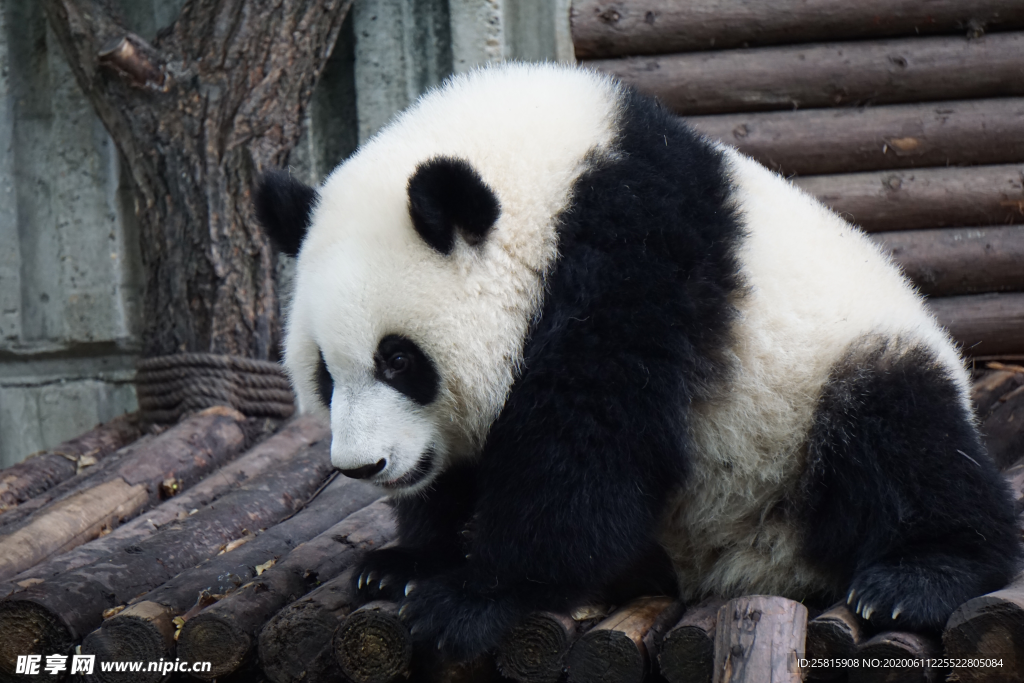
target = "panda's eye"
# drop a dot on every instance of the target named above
(399, 362)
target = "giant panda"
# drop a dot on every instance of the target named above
(564, 331)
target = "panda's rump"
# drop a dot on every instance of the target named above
(815, 289)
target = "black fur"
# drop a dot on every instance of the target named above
(417, 378)
(284, 207)
(447, 194)
(324, 382)
(903, 504)
(591, 440)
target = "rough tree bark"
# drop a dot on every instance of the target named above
(214, 101)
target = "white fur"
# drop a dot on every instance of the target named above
(363, 272)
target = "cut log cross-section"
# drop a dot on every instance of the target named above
(535, 650)
(614, 651)
(606, 29)
(990, 627)
(372, 645)
(687, 653)
(908, 656)
(297, 644)
(831, 636)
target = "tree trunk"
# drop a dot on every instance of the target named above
(214, 101)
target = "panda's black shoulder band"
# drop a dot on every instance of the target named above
(284, 207)
(447, 194)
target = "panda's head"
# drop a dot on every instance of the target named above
(420, 265)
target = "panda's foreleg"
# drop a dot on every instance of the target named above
(903, 505)
(431, 537)
(571, 488)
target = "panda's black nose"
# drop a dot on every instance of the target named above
(366, 471)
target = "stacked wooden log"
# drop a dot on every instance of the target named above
(217, 541)
(906, 117)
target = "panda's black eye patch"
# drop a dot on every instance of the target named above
(324, 382)
(403, 366)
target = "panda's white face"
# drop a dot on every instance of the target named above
(460, 302)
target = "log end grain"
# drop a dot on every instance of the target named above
(606, 656)
(372, 645)
(27, 628)
(990, 626)
(296, 645)
(832, 635)
(216, 639)
(897, 647)
(143, 632)
(687, 654)
(535, 650)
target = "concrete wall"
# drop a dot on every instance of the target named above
(70, 273)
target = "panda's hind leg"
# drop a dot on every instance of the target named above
(901, 503)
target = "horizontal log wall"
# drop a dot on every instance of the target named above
(924, 198)
(984, 324)
(817, 141)
(828, 75)
(636, 27)
(953, 261)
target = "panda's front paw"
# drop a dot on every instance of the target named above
(385, 574)
(451, 615)
(913, 596)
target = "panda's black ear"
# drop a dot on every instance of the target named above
(447, 194)
(284, 207)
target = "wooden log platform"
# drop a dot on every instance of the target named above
(170, 462)
(984, 324)
(42, 471)
(137, 632)
(760, 638)
(607, 29)
(687, 653)
(923, 198)
(225, 633)
(296, 645)
(614, 651)
(280, 448)
(828, 75)
(372, 645)
(52, 616)
(818, 141)
(989, 628)
(951, 261)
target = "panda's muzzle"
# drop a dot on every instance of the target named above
(366, 471)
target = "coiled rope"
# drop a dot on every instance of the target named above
(169, 387)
